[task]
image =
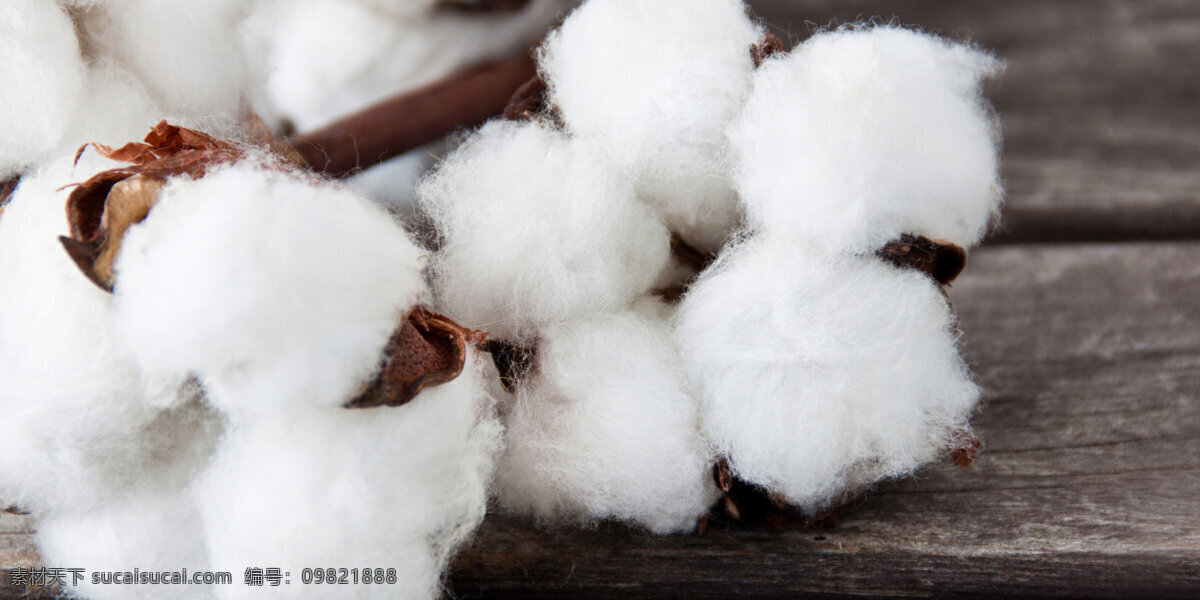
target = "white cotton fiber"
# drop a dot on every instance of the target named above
(606, 428)
(271, 282)
(863, 134)
(536, 229)
(817, 373)
(383, 488)
(117, 109)
(75, 405)
(148, 532)
(187, 53)
(656, 84)
(330, 58)
(43, 80)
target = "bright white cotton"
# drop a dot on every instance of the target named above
(656, 84)
(819, 372)
(325, 487)
(606, 428)
(43, 81)
(152, 526)
(536, 229)
(863, 134)
(187, 53)
(278, 285)
(330, 58)
(75, 405)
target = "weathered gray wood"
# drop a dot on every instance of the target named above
(1100, 105)
(1087, 485)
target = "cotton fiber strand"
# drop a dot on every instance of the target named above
(250, 277)
(606, 428)
(536, 229)
(817, 374)
(386, 487)
(656, 84)
(43, 75)
(76, 407)
(862, 134)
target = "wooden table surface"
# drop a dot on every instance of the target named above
(1081, 321)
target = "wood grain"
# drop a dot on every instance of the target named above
(1090, 358)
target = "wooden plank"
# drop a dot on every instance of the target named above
(1100, 106)
(1087, 485)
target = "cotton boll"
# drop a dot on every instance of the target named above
(75, 404)
(186, 53)
(657, 83)
(607, 428)
(818, 373)
(536, 229)
(864, 134)
(117, 108)
(330, 58)
(266, 282)
(43, 75)
(324, 487)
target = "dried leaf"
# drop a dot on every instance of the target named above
(170, 150)
(427, 349)
(7, 187)
(722, 475)
(528, 101)
(964, 447)
(768, 46)
(101, 209)
(941, 260)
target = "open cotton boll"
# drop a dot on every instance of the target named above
(606, 428)
(187, 53)
(75, 405)
(267, 281)
(536, 229)
(817, 374)
(43, 75)
(863, 134)
(656, 84)
(330, 58)
(383, 488)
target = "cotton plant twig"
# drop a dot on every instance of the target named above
(411, 120)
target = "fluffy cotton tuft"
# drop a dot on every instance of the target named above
(863, 134)
(330, 57)
(186, 53)
(607, 428)
(536, 229)
(261, 280)
(76, 407)
(43, 75)
(820, 374)
(656, 84)
(383, 488)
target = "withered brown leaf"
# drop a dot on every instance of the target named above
(7, 187)
(943, 261)
(101, 209)
(427, 349)
(964, 447)
(768, 46)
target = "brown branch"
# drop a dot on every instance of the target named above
(395, 126)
